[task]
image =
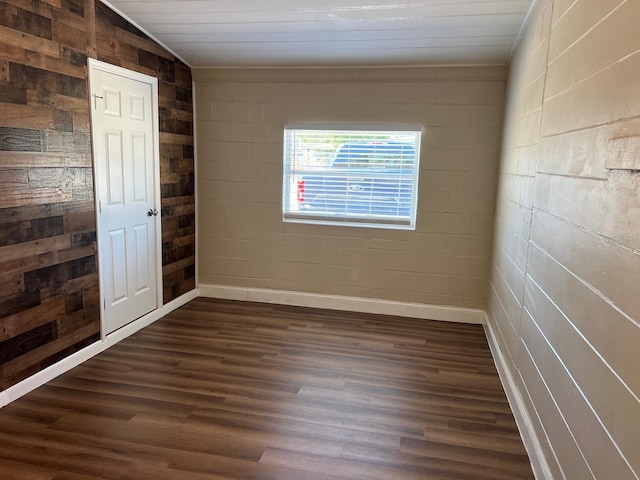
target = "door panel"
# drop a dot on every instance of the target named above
(124, 134)
(115, 179)
(142, 257)
(140, 174)
(116, 252)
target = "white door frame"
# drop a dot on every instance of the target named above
(153, 82)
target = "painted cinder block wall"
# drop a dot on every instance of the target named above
(49, 286)
(565, 284)
(243, 241)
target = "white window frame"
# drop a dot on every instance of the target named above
(291, 174)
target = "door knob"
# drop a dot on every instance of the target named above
(152, 212)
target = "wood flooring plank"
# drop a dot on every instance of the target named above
(292, 435)
(10, 470)
(167, 394)
(431, 406)
(300, 428)
(64, 400)
(193, 467)
(474, 440)
(29, 451)
(222, 390)
(506, 465)
(161, 434)
(437, 462)
(350, 468)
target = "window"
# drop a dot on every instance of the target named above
(365, 178)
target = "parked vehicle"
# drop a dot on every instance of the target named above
(374, 178)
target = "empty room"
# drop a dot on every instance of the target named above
(337, 240)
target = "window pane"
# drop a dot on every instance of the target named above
(355, 177)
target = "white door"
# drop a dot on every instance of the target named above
(124, 129)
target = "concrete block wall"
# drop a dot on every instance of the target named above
(243, 241)
(565, 277)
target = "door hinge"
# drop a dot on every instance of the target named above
(104, 304)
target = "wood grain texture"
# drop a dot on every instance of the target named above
(121, 43)
(49, 288)
(229, 390)
(48, 306)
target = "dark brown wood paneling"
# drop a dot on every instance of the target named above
(25, 21)
(20, 140)
(45, 164)
(49, 299)
(123, 44)
(21, 232)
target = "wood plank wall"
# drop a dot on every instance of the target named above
(120, 43)
(48, 282)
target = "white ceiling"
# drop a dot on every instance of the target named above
(283, 33)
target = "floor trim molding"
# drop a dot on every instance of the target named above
(25, 386)
(521, 414)
(350, 304)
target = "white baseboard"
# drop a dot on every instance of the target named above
(523, 419)
(350, 304)
(22, 388)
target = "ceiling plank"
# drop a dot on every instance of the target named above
(332, 32)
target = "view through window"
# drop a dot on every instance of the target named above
(366, 177)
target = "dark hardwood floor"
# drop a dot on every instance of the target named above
(226, 390)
